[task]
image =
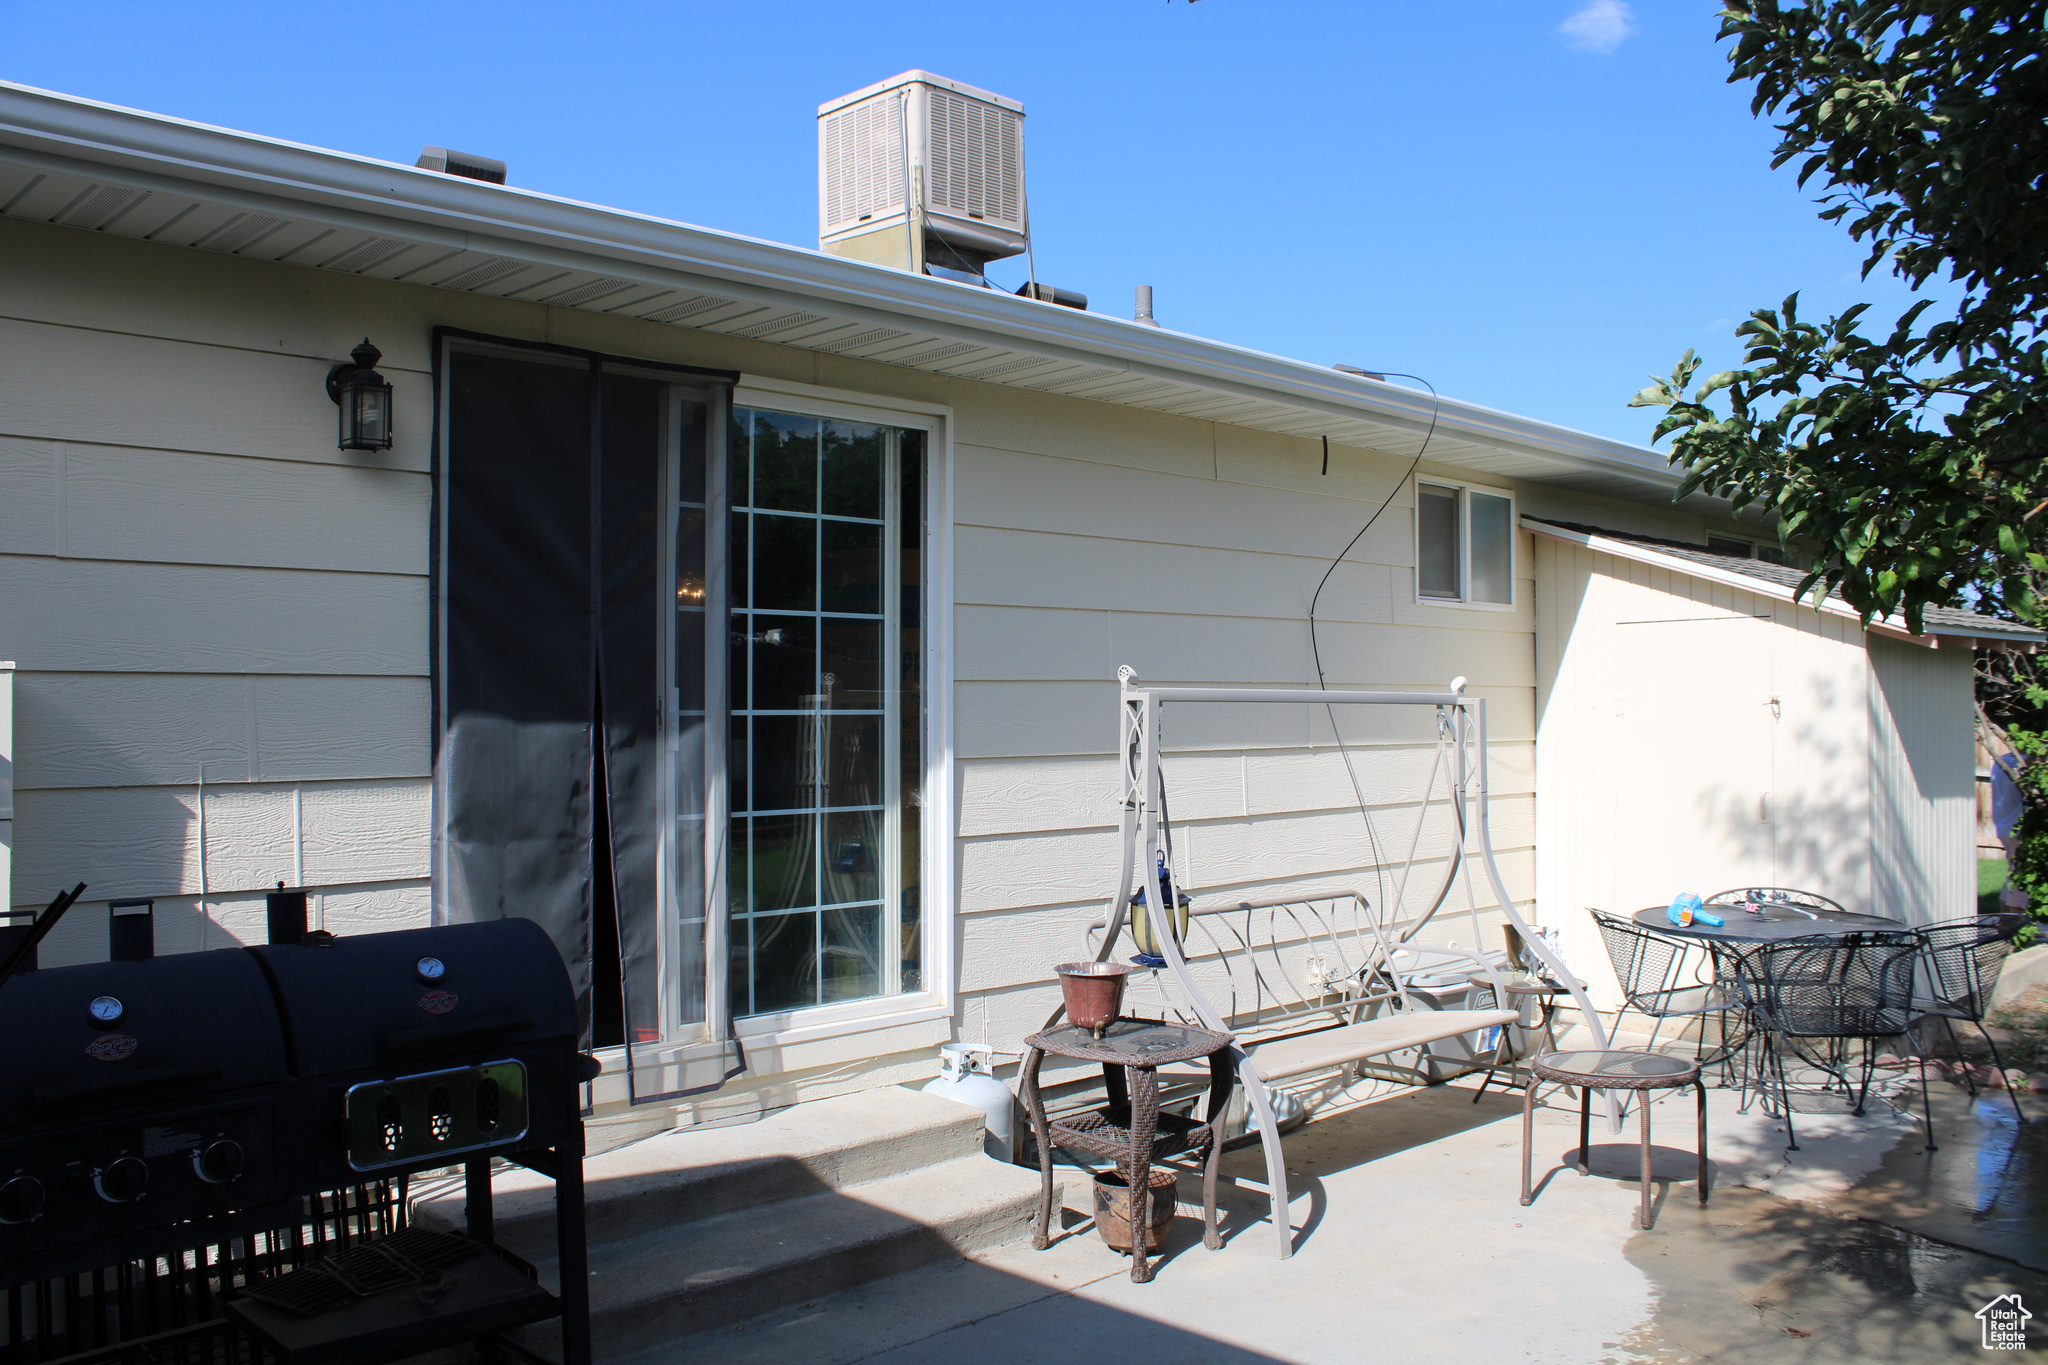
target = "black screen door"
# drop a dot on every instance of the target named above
(554, 701)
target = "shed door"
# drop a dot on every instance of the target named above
(1692, 752)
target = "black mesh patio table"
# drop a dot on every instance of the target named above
(1734, 943)
(1613, 1069)
(1129, 1129)
(1771, 922)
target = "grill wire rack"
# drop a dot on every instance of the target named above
(166, 1309)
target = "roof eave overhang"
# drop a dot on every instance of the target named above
(57, 153)
(1939, 636)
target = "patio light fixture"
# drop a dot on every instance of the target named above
(364, 398)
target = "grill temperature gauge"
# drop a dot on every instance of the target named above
(104, 1009)
(431, 970)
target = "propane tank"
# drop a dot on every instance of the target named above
(966, 1074)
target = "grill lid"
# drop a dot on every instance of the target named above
(109, 1035)
(382, 1000)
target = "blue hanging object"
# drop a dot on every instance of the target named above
(1687, 908)
(1148, 954)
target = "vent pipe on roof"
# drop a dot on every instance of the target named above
(1143, 312)
(466, 164)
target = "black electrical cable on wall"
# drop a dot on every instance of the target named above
(1315, 645)
(1436, 406)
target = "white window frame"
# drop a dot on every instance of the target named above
(937, 893)
(1463, 601)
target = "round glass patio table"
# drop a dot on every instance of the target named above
(1772, 923)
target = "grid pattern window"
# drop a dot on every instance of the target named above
(1464, 545)
(826, 687)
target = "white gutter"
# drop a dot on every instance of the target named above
(270, 175)
(1651, 556)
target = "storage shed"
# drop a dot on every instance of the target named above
(1699, 729)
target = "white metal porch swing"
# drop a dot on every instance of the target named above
(1379, 964)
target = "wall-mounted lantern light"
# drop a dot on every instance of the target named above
(364, 398)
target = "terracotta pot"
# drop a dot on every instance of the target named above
(1093, 992)
(1113, 1209)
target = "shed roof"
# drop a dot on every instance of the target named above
(1944, 625)
(126, 173)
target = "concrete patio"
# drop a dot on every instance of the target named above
(1411, 1247)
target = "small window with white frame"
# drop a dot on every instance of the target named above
(1464, 544)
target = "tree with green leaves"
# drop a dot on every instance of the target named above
(1913, 464)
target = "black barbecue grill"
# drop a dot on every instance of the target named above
(139, 1104)
(152, 1107)
(414, 1047)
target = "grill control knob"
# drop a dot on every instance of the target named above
(21, 1199)
(219, 1162)
(432, 970)
(122, 1180)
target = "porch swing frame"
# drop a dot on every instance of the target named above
(1142, 832)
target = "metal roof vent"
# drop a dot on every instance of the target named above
(466, 164)
(952, 154)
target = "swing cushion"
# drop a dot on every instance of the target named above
(1304, 1052)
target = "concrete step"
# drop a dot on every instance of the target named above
(663, 1284)
(690, 1175)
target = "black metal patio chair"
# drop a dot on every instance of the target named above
(1661, 978)
(1728, 957)
(1788, 896)
(1960, 965)
(1836, 988)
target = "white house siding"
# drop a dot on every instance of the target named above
(191, 574)
(1922, 781)
(198, 586)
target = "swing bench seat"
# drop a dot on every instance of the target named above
(1289, 1055)
(1306, 984)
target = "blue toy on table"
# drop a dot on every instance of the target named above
(1686, 908)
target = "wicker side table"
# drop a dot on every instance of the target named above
(1129, 1129)
(1616, 1069)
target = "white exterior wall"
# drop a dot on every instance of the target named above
(1696, 737)
(193, 579)
(191, 574)
(1923, 781)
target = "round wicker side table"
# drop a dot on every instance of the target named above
(1615, 1069)
(1129, 1129)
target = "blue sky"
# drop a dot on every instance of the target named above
(1532, 203)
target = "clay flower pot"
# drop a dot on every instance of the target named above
(1093, 992)
(1113, 1209)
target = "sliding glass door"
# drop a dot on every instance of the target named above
(824, 677)
(680, 683)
